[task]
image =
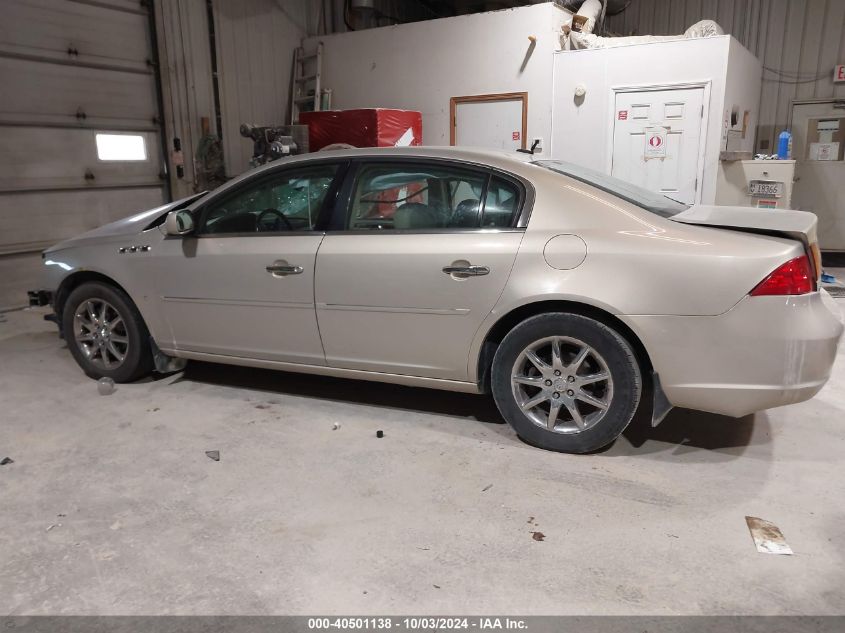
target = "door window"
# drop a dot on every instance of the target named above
(288, 201)
(416, 197)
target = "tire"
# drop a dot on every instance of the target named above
(526, 387)
(125, 331)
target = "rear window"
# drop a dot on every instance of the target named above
(650, 201)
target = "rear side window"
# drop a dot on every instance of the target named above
(406, 196)
(415, 196)
(501, 204)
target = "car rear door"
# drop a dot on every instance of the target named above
(421, 254)
(243, 284)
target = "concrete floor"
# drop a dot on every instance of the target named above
(112, 507)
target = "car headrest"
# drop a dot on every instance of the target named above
(414, 215)
(466, 213)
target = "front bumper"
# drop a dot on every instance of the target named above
(765, 352)
(38, 298)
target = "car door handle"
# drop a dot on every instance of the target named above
(466, 271)
(284, 269)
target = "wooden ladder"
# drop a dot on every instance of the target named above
(302, 83)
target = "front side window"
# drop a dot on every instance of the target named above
(406, 196)
(289, 201)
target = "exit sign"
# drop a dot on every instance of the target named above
(839, 73)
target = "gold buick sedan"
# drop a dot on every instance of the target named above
(562, 291)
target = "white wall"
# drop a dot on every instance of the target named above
(255, 40)
(420, 66)
(799, 42)
(742, 92)
(254, 44)
(582, 132)
(187, 94)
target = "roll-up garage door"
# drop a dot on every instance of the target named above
(79, 123)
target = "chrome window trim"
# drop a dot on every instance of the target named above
(203, 236)
(454, 230)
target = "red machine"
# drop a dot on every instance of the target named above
(367, 127)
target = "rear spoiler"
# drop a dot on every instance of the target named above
(797, 225)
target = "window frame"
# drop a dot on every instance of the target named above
(339, 222)
(201, 212)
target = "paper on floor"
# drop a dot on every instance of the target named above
(767, 537)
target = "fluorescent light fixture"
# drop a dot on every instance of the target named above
(121, 147)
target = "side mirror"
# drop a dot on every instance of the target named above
(178, 223)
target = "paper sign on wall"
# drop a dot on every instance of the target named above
(655, 142)
(824, 151)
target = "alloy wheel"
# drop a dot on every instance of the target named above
(100, 333)
(562, 384)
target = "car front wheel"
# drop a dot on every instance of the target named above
(566, 382)
(106, 334)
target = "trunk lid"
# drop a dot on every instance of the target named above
(796, 225)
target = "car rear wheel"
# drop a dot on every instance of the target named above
(566, 382)
(106, 334)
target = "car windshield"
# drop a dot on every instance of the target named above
(659, 204)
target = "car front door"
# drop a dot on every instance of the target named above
(243, 284)
(422, 253)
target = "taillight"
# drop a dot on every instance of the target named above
(795, 277)
(816, 260)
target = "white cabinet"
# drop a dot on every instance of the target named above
(765, 184)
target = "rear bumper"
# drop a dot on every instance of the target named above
(765, 352)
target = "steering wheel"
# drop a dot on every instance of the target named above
(277, 213)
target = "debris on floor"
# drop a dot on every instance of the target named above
(53, 525)
(767, 537)
(486, 488)
(6, 460)
(538, 536)
(215, 455)
(335, 426)
(379, 434)
(105, 386)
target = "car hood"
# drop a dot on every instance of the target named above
(126, 226)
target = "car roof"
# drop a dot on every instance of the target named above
(479, 154)
(512, 162)
(493, 158)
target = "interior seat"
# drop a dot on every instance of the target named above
(413, 215)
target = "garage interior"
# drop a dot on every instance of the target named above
(331, 496)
